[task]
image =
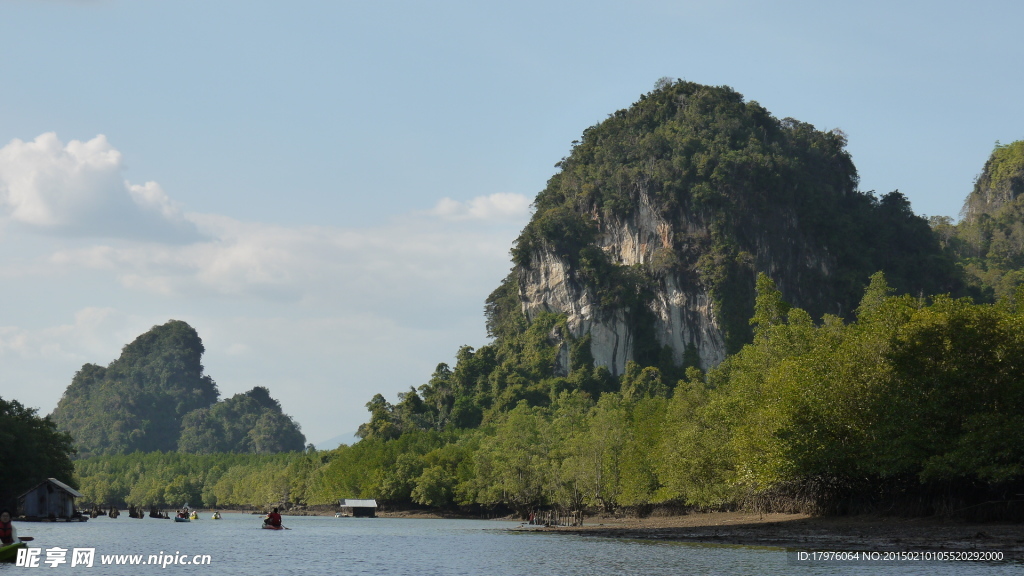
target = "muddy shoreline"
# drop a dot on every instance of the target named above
(791, 531)
(802, 532)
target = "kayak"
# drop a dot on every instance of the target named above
(176, 519)
(9, 553)
(216, 516)
(194, 516)
(269, 527)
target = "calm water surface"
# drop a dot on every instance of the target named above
(327, 546)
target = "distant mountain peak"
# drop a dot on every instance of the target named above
(1001, 181)
(142, 401)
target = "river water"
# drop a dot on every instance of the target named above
(328, 546)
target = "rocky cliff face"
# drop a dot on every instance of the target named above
(683, 311)
(681, 305)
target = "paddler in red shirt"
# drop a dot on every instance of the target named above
(273, 519)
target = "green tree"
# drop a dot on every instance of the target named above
(434, 487)
(604, 450)
(769, 307)
(31, 450)
(513, 465)
(382, 422)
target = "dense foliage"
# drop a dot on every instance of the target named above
(915, 406)
(490, 381)
(989, 240)
(251, 422)
(155, 397)
(1001, 181)
(31, 450)
(172, 479)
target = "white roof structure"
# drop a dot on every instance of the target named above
(359, 503)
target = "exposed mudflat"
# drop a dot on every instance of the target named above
(875, 533)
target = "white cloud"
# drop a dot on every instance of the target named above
(151, 198)
(95, 332)
(417, 258)
(78, 189)
(312, 312)
(498, 206)
(135, 233)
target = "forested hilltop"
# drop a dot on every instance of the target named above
(644, 249)
(704, 311)
(155, 397)
(988, 243)
(651, 235)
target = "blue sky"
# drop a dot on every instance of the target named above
(328, 191)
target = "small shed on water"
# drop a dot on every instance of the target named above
(359, 508)
(50, 499)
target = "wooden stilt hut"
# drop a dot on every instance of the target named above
(51, 500)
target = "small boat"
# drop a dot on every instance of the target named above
(9, 553)
(180, 519)
(216, 516)
(269, 527)
(194, 516)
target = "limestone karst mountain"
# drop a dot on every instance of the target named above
(650, 236)
(156, 393)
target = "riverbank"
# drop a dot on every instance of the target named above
(418, 514)
(794, 531)
(799, 531)
(332, 511)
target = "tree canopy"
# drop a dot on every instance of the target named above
(31, 450)
(251, 422)
(156, 397)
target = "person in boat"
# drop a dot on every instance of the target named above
(273, 519)
(8, 533)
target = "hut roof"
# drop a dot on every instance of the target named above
(359, 503)
(58, 484)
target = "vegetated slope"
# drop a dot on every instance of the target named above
(644, 249)
(653, 231)
(913, 407)
(989, 240)
(250, 422)
(139, 401)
